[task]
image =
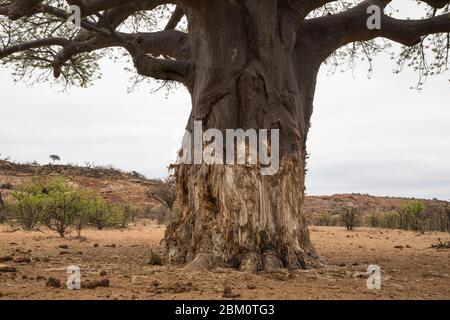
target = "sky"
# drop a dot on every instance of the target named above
(373, 136)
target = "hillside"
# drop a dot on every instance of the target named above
(131, 187)
(113, 184)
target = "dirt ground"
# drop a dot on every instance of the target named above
(410, 268)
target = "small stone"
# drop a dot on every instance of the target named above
(22, 260)
(227, 290)
(63, 246)
(96, 283)
(53, 283)
(4, 268)
(232, 295)
(6, 258)
(251, 286)
(102, 273)
(155, 283)
(95, 245)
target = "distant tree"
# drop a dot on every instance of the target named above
(54, 158)
(350, 217)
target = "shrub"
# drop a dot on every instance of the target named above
(155, 259)
(99, 212)
(61, 204)
(323, 219)
(29, 204)
(81, 217)
(412, 216)
(390, 220)
(350, 217)
(374, 221)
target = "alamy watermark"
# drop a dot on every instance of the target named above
(74, 278)
(374, 279)
(232, 146)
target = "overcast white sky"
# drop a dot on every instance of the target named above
(370, 136)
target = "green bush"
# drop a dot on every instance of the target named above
(63, 207)
(122, 216)
(99, 212)
(29, 204)
(61, 204)
(323, 219)
(412, 216)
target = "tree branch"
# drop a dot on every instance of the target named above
(33, 45)
(327, 34)
(176, 17)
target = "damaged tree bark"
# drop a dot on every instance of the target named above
(231, 215)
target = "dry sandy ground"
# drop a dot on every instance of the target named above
(413, 270)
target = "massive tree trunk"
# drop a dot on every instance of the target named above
(251, 73)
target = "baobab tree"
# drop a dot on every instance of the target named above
(249, 64)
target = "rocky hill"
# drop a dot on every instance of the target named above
(131, 187)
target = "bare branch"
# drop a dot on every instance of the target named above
(176, 17)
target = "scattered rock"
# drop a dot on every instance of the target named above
(110, 245)
(95, 245)
(155, 283)
(22, 260)
(39, 278)
(64, 252)
(63, 246)
(96, 283)
(53, 283)
(5, 268)
(6, 258)
(231, 295)
(399, 247)
(280, 276)
(227, 290)
(361, 275)
(102, 273)
(251, 286)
